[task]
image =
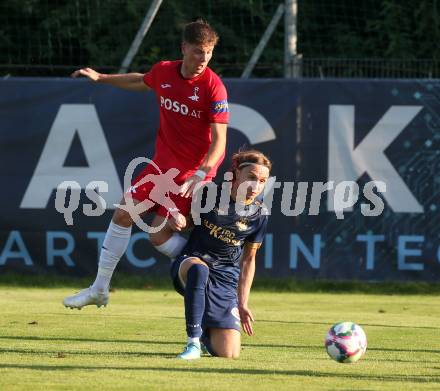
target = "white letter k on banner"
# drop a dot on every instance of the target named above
(349, 163)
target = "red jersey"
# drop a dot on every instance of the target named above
(187, 108)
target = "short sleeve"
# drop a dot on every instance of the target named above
(257, 236)
(150, 77)
(219, 110)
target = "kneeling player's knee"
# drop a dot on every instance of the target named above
(235, 351)
(229, 353)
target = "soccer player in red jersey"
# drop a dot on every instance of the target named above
(191, 137)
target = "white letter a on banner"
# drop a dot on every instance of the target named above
(50, 172)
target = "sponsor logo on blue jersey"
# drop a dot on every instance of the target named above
(220, 106)
(222, 233)
(242, 224)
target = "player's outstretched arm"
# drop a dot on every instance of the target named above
(247, 272)
(126, 81)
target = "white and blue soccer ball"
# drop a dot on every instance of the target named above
(346, 342)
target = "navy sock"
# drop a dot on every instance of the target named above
(206, 340)
(196, 280)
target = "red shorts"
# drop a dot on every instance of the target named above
(142, 192)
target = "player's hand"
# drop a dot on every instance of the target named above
(187, 189)
(87, 72)
(246, 318)
(177, 221)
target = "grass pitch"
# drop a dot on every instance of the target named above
(133, 342)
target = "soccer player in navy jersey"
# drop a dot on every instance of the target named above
(216, 268)
(191, 138)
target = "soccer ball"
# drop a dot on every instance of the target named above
(346, 342)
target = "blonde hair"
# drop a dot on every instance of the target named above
(252, 156)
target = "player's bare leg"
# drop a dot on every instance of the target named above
(167, 240)
(122, 217)
(114, 246)
(225, 342)
(159, 238)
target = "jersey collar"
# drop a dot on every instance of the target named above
(192, 79)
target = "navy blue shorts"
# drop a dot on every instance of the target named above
(221, 300)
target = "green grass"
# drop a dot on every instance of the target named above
(132, 343)
(120, 280)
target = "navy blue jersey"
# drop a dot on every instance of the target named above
(219, 241)
(221, 235)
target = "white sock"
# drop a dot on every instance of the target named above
(173, 246)
(115, 243)
(195, 340)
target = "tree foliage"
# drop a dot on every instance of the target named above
(388, 29)
(43, 33)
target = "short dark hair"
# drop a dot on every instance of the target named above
(199, 33)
